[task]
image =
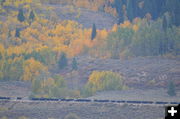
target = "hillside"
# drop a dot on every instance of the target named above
(88, 49)
(130, 9)
(138, 72)
(58, 110)
(146, 77)
(85, 17)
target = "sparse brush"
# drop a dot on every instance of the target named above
(72, 116)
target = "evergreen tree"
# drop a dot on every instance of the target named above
(63, 62)
(17, 34)
(173, 6)
(164, 23)
(93, 35)
(74, 64)
(20, 16)
(32, 16)
(130, 10)
(171, 89)
(118, 5)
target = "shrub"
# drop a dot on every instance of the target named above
(71, 116)
(171, 89)
(22, 117)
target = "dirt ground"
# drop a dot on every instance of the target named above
(156, 94)
(58, 110)
(15, 89)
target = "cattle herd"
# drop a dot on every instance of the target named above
(86, 100)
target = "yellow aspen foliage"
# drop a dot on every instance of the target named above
(32, 69)
(83, 3)
(103, 34)
(114, 28)
(16, 3)
(40, 47)
(14, 50)
(135, 27)
(136, 20)
(2, 51)
(104, 80)
(49, 82)
(126, 24)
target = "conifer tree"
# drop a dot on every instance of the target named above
(74, 64)
(20, 16)
(17, 34)
(165, 23)
(32, 16)
(63, 62)
(93, 35)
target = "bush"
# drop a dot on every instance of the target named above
(171, 89)
(71, 116)
(23, 117)
(105, 80)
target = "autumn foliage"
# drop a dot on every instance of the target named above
(103, 80)
(32, 44)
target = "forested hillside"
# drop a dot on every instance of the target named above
(37, 46)
(130, 9)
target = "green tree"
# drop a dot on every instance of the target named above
(36, 86)
(17, 34)
(93, 34)
(164, 23)
(32, 16)
(20, 16)
(74, 64)
(63, 62)
(118, 41)
(171, 89)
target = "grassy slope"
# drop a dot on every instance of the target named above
(86, 17)
(59, 110)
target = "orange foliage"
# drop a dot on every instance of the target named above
(114, 28)
(32, 69)
(135, 27)
(110, 10)
(126, 24)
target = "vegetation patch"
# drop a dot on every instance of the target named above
(103, 80)
(52, 88)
